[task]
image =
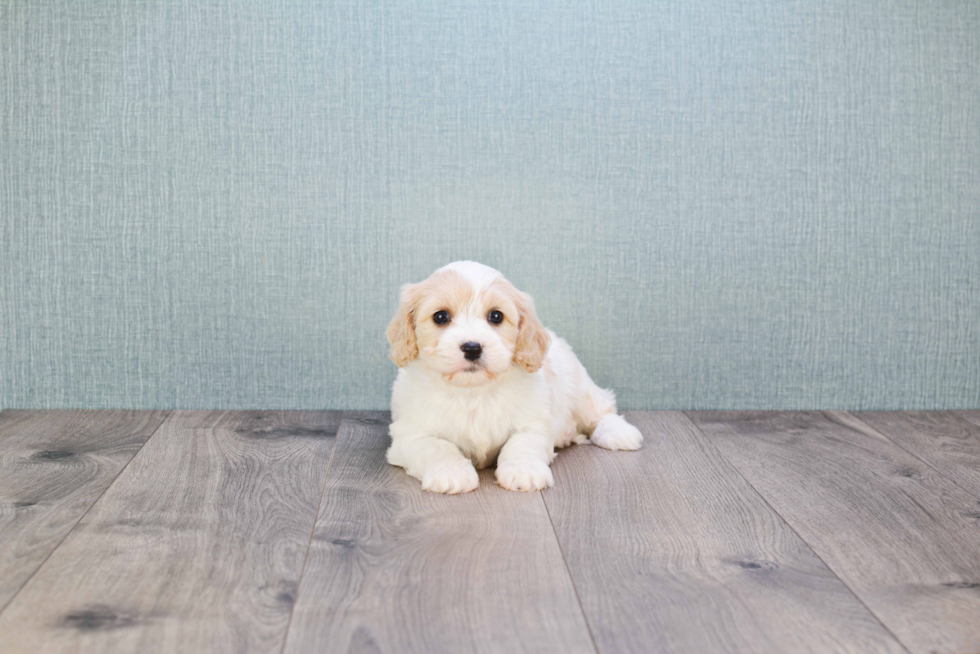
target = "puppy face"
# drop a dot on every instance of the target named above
(470, 331)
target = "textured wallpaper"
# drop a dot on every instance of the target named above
(720, 205)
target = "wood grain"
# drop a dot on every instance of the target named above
(395, 569)
(970, 415)
(197, 547)
(900, 535)
(947, 442)
(672, 551)
(53, 466)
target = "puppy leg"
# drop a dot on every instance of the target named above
(439, 464)
(524, 462)
(614, 433)
(596, 413)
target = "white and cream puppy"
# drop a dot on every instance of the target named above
(481, 380)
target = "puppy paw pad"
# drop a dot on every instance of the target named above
(450, 477)
(525, 476)
(614, 433)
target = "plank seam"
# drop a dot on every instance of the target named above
(316, 519)
(928, 463)
(54, 549)
(568, 571)
(793, 529)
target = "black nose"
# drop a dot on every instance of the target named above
(471, 350)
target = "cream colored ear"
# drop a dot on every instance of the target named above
(532, 339)
(401, 331)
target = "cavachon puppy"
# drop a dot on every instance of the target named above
(481, 380)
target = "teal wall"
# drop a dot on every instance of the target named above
(719, 204)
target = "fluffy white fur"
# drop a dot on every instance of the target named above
(526, 395)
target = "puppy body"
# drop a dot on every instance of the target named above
(524, 394)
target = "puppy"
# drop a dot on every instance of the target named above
(481, 380)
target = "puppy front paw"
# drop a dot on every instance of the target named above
(614, 433)
(525, 476)
(450, 477)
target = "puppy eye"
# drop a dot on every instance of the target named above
(441, 317)
(495, 317)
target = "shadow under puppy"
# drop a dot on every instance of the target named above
(482, 380)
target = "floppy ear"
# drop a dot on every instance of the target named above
(401, 331)
(532, 338)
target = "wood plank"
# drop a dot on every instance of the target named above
(947, 442)
(900, 535)
(395, 569)
(672, 551)
(53, 466)
(970, 415)
(198, 546)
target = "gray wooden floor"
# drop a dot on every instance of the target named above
(280, 531)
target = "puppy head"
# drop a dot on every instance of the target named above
(469, 324)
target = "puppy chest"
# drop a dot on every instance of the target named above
(479, 429)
